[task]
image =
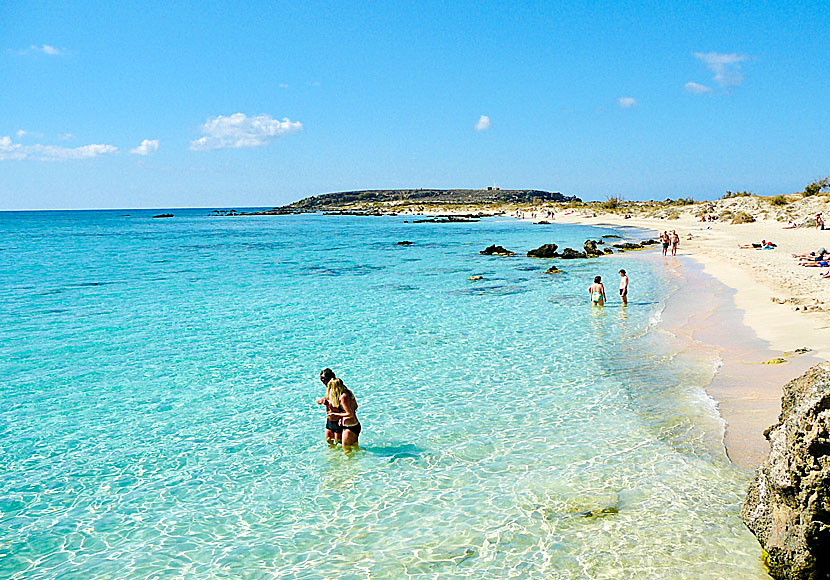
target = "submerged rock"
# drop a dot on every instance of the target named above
(788, 504)
(475, 277)
(544, 251)
(405, 243)
(553, 270)
(163, 215)
(495, 250)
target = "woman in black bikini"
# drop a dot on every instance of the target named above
(341, 400)
(334, 431)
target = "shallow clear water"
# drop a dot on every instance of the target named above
(157, 415)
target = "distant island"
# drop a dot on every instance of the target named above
(378, 201)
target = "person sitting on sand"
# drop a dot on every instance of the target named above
(334, 432)
(597, 292)
(675, 241)
(791, 225)
(344, 405)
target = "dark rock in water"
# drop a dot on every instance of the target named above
(627, 246)
(448, 219)
(788, 505)
(571, 254)
(609, 236)
(542, 223)
(405, 243)
(163, 215)
(544, 251)
(607, 251)
(648, 242)
(553, 270)
(590, 247)
(475, 277)
(495, 250)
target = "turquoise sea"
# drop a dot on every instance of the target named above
(157, 415)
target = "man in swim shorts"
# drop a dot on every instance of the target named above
(624, 287)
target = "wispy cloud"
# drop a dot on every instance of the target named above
(483, 123)
(46, 49)
(626, 102)
(16, 151)
(727, 67)
(147, 147)
(239, 130)
(22, 133)
(696, 88)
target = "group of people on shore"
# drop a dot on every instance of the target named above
(670, 241)
(342, 424)
(597, 290)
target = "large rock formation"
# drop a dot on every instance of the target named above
(788, 505)
(544, 251)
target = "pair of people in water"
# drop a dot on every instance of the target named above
(342, 425)
(597, 290)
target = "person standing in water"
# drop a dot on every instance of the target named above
(664, 239)
(597, 292)
(344, 405)
(624, 287)
(675, 241)
(334, 432)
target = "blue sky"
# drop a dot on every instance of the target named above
(173, 104)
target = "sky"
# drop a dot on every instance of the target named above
(190, 104)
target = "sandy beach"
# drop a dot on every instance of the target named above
(781, 302)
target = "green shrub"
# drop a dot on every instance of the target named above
(742, 218)
(731, 194)
(684, 201)
(817, 187)
(779, 200)
(613, 202)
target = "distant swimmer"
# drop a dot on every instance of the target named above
(344, 406)
(333, 429)
(624, 287)
(597, 292)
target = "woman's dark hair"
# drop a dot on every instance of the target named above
(622, 271)
(326, 375)
(597, 279)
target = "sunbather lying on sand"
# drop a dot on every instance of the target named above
(818, 264)
(812, 255)
(764, 245)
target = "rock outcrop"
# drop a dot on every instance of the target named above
(571, 254)
(495, 250)
(788, 505)
(544, 251)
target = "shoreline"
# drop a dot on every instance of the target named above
(733, 313)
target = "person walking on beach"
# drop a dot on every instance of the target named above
(597, 292)
(664, 239)
(344, 407)
(334, 432)
(675, 241)
(624, 287)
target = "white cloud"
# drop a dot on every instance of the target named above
(239, 130)
(66, 136)
(147, 146)
(483, 123)
(727, 67)
(15, 151)
(696, 88)
(46, 49)
(626, 102)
